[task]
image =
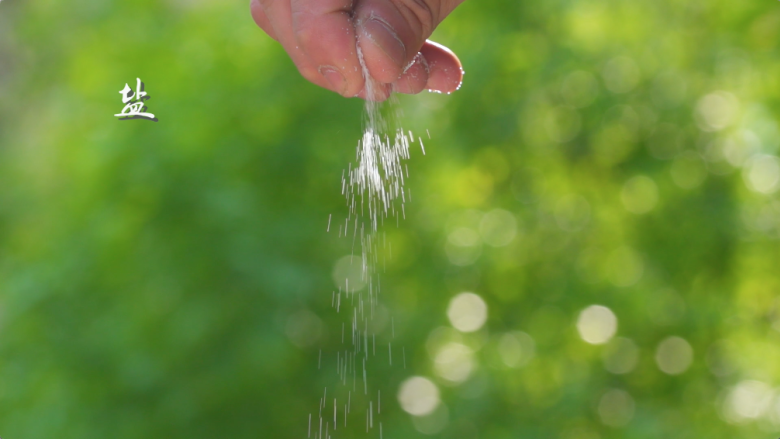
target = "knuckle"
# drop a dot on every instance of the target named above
(424, 12)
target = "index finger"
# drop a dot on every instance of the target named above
(325, 32)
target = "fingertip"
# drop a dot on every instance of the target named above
(445, 70)
(445, 80)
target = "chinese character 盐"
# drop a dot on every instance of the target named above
(134, 102)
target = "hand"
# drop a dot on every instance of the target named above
(322, 36)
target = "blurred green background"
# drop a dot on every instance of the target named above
(174, 279)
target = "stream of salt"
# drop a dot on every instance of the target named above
(374, 190)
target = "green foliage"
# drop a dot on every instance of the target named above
(150, 272)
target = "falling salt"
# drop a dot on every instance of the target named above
(377, 180)
(374, 190)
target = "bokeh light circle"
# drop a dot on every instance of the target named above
(620, 356)
(348, 273)
(762, 173)
(674, 355)
(716, 111)
(748, 400)
(467, 312)
(516, 348)
(597, 324)
(454, 362)
(616, 408)
(498, 228)
(639, 195)
(418, 396)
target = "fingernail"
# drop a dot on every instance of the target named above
(382, 34)
(334, 78)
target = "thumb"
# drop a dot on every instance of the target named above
(391, 32)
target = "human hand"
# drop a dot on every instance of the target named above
(322, 36)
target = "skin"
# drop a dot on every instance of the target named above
(322, 36)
